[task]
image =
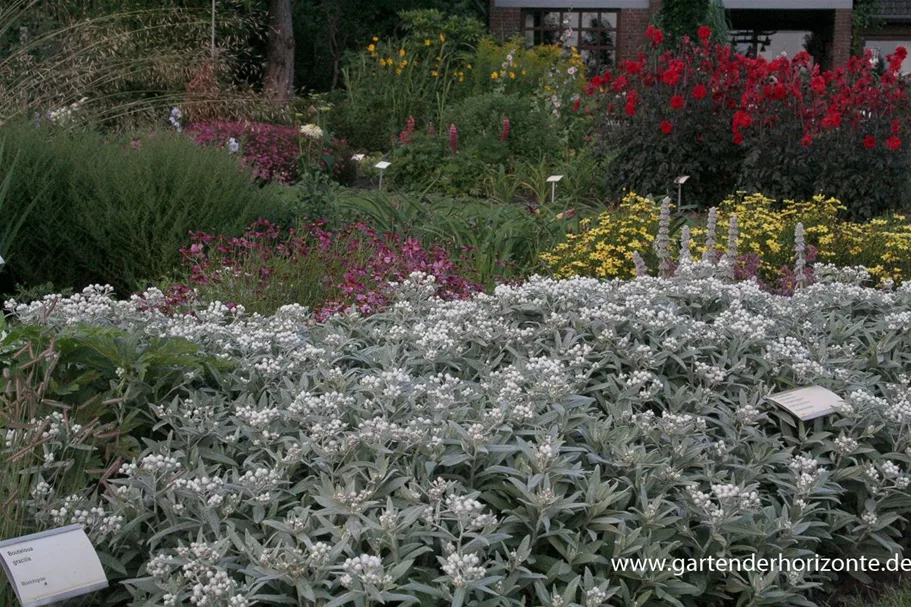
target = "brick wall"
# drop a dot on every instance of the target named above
(631, 26)
(505, 22)
(841, 38)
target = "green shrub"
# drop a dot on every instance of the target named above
(117, 213)
(533, 132)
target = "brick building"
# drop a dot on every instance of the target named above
(607, 31)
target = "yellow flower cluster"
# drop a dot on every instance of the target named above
(766, 229)
(605, 249)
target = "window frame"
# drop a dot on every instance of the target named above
(538, 32)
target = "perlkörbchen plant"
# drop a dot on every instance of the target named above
(501, 450)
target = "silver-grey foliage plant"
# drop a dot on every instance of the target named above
(501, 450)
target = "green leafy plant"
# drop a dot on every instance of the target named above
(117, 213)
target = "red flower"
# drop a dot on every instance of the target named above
(832, 120)
(806, 141)
(893, 143)
(896, 125)
(656, 36)
(666, 127)
(901, 52)
(742, 119)
(454, 139)
(869, 142)
(699, 92)
(818, 84)
(630, 108)
(704, 33)
(598, 81)
(677, 102)
(619, 84)
(576, 105)
(632, 67)
(738, 138)
(670, 77)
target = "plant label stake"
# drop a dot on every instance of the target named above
(680, 181)
(382, 165)
(52, 566)
(807, 403)
(552, 180)
(358, 158)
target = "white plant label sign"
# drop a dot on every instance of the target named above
(807, 403)
(51, 566)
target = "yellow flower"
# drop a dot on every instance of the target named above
(442, 38)
(427, 42)
(524, 72)
(371, 48)
(402, 53)
(512, 75)
(398, 71)
(435, 73)
(375, 39)
(494, 75)
(468, 66)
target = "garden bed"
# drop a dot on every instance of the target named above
(508, 445)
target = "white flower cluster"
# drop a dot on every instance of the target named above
(463, 569)
(807, 473)
(366, 568)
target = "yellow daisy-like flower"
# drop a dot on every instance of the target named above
(442, 38)
(524, 72)
(435, 74)
(512, 75)
(375, 39)
(371, 48)
(402, 53)
(494, 75)
(398, 71)
(427, 42)
(468, 66)
(403, 63)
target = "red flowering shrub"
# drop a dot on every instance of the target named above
(273, 151)
(784, 126)
(328, 271)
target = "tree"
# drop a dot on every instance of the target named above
(279, 78)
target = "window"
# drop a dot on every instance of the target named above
(594, 33)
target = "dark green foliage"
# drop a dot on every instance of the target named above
(325, 30)
(117, 213)
(532, 131)
(680, 18)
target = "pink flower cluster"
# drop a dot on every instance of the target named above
(352, 266)
(271, 150)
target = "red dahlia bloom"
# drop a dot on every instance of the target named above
(666, 127)
(806, 141)
(738, 138)
(704, 33)
(893, 143)
(630, 108)
(699, 92)
(677, 102)
(670, 77)
(869, 142)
